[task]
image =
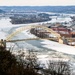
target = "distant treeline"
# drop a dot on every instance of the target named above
(56, 9)
(26, 18)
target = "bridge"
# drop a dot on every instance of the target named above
(20, 29)
(29, 27)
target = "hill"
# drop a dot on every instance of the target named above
(56, 9)
(1, 11)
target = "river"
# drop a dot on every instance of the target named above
(7, 28)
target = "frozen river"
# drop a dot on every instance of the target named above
(44, 46)
(7, 28)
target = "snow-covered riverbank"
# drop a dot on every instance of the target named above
(59, 47)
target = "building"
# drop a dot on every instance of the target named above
(62, 31)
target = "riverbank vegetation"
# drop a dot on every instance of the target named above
(11, 65)
(29, 18)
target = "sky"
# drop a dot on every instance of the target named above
(36, 2)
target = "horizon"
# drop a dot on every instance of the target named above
(37, 3)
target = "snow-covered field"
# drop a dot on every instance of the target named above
(59, 19)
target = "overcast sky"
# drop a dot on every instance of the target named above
(36, 2)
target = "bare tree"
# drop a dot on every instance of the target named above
(29, 60)
(58, 68)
